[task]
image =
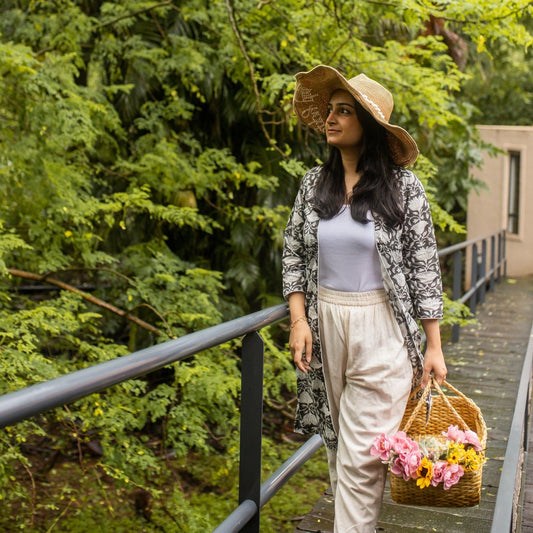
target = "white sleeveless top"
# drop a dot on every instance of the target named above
(347, 257)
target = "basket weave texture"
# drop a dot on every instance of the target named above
(445, 411)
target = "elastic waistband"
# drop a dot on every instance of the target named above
(351, 298)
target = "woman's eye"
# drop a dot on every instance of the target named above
(340, 111)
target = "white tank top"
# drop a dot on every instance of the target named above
(347, 257)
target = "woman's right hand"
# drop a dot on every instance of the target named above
(300, 343)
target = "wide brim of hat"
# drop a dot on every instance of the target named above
(311, 99)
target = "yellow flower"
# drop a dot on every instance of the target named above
(472, 461)
(424, 473)
(456, 453)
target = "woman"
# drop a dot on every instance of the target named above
(354, 335)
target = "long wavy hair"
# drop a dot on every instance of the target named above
(378, 186)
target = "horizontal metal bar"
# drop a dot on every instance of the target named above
(274, 483)
(480, 282)
(238, 519)
(245, 511)
(21, 404)
(462, 245)
(503, 510)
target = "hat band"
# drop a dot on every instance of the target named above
(374, 105)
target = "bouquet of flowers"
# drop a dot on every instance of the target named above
(431, 460)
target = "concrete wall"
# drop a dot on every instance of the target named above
(488, 209)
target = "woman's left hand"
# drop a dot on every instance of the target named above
(434, 363)
(434, 358)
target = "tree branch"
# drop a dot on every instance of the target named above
(458, 21)
(85, 296)
(134, 13)
(264, 3)
(100, 269)
(33, 491)
(159, 315)
(488, 20)
(240, 42)
(131, 282)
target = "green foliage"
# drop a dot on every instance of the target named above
(455, 313)
(500, 85)
(148, 159)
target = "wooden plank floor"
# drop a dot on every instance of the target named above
(485, 365)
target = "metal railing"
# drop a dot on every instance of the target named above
(504, 517)
(480, 273)
(246, 516)
(41, 397)
(30, 401)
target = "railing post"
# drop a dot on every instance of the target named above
(457, 282)
(483, 271)
(500, 250)
(504, 252)
(473, 279)
(527, 413)
(492, 262)
(251, 425)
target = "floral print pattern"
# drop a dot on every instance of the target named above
(411, 277)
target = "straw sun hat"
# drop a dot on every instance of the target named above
(313, 92)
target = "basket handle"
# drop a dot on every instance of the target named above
(421, 401)
(449, 405)
(417, 408)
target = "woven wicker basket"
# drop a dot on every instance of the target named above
(445, 411)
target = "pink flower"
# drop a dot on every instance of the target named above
(463, 437)
(473, 439)
(382, 447)
(412, 461)
(439, 469)
(401, 443)
(446, 473)
(452, 475)
(406, 464)
(398, 469)
(455, 434)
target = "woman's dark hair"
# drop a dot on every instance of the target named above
(378, 186)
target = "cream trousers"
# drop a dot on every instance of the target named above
(368, 381)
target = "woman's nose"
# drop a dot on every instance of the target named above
(330, 119)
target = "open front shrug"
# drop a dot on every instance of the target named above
(411, 277)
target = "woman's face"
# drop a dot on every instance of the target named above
(343, 129)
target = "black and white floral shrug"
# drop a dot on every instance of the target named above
(411, 277)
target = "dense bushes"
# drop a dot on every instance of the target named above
(148, 157)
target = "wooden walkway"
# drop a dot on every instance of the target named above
(485, 365)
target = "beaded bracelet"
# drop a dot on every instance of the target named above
(294, 322)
